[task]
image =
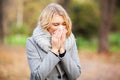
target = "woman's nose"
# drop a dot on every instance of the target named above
(61, 27)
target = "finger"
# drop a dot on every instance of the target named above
(57, 32)
(65, 31)
(62, 38)
(64, 35)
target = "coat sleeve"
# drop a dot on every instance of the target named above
(40, 69)
(71, 63)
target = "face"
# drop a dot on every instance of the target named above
(56, 22)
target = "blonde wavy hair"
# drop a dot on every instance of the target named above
(48, 13)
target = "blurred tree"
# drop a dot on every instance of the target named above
(65, 4)
(85, 18)
(1, 22)
(107, 9)
(31, 13)
(118, 3)
(9, 16)
(116, 21)
(20, 13)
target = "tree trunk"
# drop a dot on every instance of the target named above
(20, 13)
(1, 22)
(107, 9)
(65, 4)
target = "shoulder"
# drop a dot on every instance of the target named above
(29, 41)
(30, 44)
(70, 41)
(72, 37)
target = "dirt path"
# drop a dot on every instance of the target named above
(100, 67)
(13, 63)
(14, 66)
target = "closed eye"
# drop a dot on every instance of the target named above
(55, 24)
(64, 24)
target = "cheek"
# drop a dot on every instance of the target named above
(54, 28)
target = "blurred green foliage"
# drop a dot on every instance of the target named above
(115, 39)
(116, 22)
(92, 43)
(88, 44)
(21, 29)
(85, 18)
(32, 10)
(16, 40)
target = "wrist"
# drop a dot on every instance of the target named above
(62, 50)
(63, 54)
(54, 50)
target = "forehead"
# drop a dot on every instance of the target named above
(57, 19)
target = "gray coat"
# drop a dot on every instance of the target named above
(44, 65)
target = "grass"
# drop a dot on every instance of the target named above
(88, 44)
(13, 63)
(16, 40)
(92, 44)
(82, 43)
(114, 42)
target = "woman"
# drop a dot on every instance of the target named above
(51, 51)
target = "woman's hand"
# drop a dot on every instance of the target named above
(56, 42)
(62, 41)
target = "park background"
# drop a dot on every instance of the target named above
(96, 26)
